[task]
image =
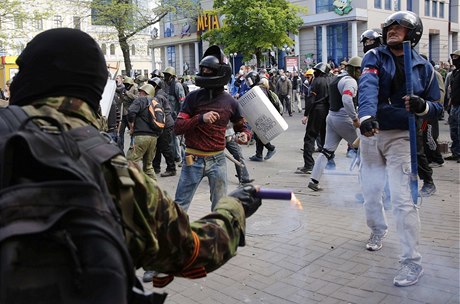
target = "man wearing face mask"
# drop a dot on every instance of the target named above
(342, 120)
(128, 93)
(383, 111)
(283, 89)
(371, 39)
(454, 104)
(176, 97)
(316, 109)
(203, 121)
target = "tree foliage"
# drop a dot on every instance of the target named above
(14, 14)
(252, 26)
(129, 19)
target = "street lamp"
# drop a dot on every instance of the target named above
(286, 49)
(233, 55)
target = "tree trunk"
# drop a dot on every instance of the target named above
(258, 56)
(126, 56)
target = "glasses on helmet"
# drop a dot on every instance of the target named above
(407, 20)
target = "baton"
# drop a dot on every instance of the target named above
(233, 160)
(412, 127)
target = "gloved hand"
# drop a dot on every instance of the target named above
(415, 104)
(247, 196)
(369, 127)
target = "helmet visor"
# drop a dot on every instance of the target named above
(407, 20)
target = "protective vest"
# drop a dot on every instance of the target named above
(335, 97)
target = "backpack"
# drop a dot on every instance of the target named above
(156, 115)
(61, 235)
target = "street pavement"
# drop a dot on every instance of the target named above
(315, 252)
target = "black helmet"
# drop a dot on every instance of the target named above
(155, 82)
(156, 73)
(371, 39)
(252, 79)
(322, 67)
(408, 20)
(215, 60)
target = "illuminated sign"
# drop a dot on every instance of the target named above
(207, 21)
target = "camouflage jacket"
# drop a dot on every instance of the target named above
(169, 243)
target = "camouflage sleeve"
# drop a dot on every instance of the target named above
(178, 246)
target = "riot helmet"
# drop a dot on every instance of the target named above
(354, 67)
(408, 20)
(169, 73)
(170, 70)
(148, 89)
(252, 79)
(128, 82)
(156, 82)
(455, 56)
(371, 39)
(215, 70)
(321, 69)
(156, 73)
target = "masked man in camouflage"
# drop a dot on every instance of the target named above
(180, 247)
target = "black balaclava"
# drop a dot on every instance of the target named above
(60, 62)
(374, 43)
(456, 62)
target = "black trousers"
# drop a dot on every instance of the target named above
(260, 146)
(425, 172)
(316, 126)
(430, 140)
(164, 148)
(121, 132)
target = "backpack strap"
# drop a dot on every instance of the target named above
(11, 118)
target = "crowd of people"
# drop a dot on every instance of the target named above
(364, 99)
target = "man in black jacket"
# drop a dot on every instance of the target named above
(145, 137)
(164, 141)
(315, 116)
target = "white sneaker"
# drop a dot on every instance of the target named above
(408, 274)
(375, 241)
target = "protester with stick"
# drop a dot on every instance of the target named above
(383, 111)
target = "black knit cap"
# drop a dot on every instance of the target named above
(60, 62)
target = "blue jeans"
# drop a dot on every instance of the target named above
(214, 167)
(454, 126)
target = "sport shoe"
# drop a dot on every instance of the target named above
(427, 190)
(375, 241)
(270, 153)
(303, 170)
(246, 181)
(330, 165)
(314, 186)
(408, 274)
(452, 157)
(351, 153)
(436, 165)
(256, 158)
(148, 276)
(168, 173)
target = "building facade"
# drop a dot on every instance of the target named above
(330, 32)
(16, 33)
